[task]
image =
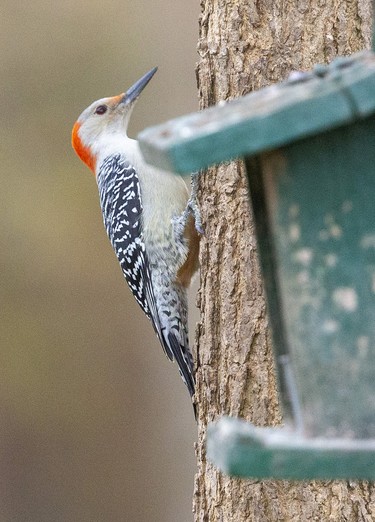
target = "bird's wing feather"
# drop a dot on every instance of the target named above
(121, 203)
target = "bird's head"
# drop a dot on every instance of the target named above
(105, 119)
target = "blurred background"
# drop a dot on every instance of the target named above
(95, 423)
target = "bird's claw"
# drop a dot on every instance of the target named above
(193, 209)
(192, 204)
(179, 222)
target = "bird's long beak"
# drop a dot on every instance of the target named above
(136, 89)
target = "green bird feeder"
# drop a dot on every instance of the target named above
(309, 149)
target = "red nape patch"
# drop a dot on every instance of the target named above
(82, 151)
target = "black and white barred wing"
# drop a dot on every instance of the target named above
(121, 204)
(146, 273)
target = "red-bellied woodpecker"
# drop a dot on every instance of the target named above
(148, 217)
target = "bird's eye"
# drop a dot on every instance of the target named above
(101, 109)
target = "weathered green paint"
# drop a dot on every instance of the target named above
(309, 146)
(316, 199)
(241, 449)
(313, 202)
(266, 119)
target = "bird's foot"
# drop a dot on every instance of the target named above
(192, 205)
(179, 222)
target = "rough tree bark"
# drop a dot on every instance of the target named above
(245, 45)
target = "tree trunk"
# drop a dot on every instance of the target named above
(245, 45)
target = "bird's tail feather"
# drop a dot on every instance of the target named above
(183, 359)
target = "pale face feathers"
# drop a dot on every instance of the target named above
(105, 115)
(103, 125)
(103, 121)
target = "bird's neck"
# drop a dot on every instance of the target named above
(117, 144)
(84, 152)
(94, 151)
